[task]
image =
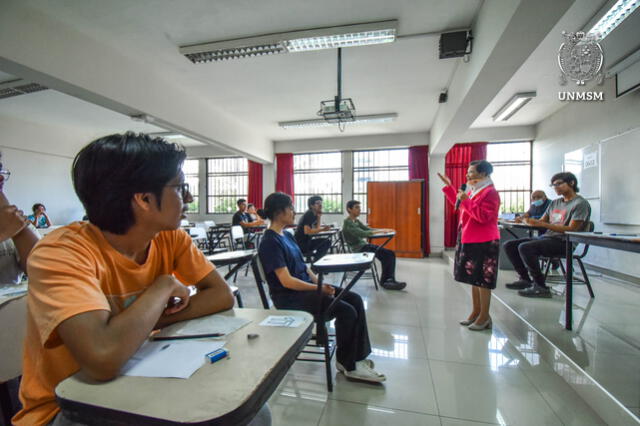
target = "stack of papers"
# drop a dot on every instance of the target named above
(179, 359)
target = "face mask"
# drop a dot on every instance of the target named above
(538, 203)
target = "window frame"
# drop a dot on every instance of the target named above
(208, 188)
(354, 194)
(526, 192)
(194, 194)
(324, 195)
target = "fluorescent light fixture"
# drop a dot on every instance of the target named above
(613, 17)
(294, 41)
(515, 103)
(320, 122)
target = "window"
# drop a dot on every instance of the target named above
(382, 165)
(227, 180)
(190, 170)
(511, 174)
(318, 174)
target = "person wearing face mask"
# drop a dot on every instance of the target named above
(539, 204)
(17, 237)
(478, 246)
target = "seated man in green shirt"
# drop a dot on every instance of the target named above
(355, 232)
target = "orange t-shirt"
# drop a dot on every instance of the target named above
(75, 270)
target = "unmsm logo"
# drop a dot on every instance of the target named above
(581, 96)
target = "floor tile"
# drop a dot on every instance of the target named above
(397, 341)
(408, 387)
(289, 408)
(340, 413)
(447, 421)
(478, 393)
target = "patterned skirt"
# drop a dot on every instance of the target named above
(477, 263)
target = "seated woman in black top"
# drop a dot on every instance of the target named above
(293, 285)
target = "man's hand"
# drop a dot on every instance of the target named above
(12, 221)
(445, 179)
(326, 227)
(462, 195)
(535, 222)
(179, 293)
(328, 290)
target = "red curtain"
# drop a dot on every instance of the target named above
(254, 195)
(419, 169)
(284, 173)
(455, 166)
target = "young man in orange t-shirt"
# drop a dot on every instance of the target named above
(98, 288)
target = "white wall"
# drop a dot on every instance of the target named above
(575, 126)
(348, 143)
(39, 158)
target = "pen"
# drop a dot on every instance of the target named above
(623, 235)
(187, 336)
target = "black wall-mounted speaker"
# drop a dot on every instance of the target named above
(455, 44)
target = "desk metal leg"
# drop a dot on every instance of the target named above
(322, 335)
(568, 319)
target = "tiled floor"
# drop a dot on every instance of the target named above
(605, 341)
(438, 373)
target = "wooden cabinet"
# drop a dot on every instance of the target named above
(398, 205)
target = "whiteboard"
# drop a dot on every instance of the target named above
(585, 164)
(620, 173)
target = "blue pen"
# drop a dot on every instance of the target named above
(623, 235)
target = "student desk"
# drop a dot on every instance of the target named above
(329, 234)
(388, 235)
(343, 262)
(13, 327)
(239, 258)
(631, 244)
(216, 235)
(228, 392)
(510, 225)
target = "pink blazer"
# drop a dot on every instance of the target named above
(478, 215)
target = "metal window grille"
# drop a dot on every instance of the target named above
(190, 170)
(227, 181)
(382, 165)
(318, 174)
(511, 174)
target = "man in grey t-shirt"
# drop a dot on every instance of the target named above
(569, 213)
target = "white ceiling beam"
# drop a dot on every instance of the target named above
(505, 34)
(35, 47)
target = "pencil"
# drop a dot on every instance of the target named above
(187, 336)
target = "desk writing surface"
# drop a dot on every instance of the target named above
(383, 235)
(344, 262)
(230, 255)
(13, 328)
(212, 391)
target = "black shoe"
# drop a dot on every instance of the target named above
(519, 284)
(392, 284)
(536, 291)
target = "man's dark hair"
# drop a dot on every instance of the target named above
(274, 204)
(352, 203)
(110, 170)
(250, 205)
(240, 201)
(313, 199)
(567, 177)
(36, 206)
(482, 166)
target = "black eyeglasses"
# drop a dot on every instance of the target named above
(183, 188)
(5, 174)
(556, 184)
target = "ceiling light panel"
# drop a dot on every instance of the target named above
(513, 105)
(294, 41)
(362, 119)
(620, 10)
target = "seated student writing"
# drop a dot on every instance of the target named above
(17, 237)
(311, 224)
(569, 213)
(98, 288)
(39, 218)
(292, 285)
(355, 233)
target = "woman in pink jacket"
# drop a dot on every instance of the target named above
(478, 247)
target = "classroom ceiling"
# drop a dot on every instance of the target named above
(404, 77)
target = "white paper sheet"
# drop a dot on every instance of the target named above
(210, 324)
(179, 359)
(282, 321)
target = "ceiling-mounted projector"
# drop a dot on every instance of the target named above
(337, 110)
